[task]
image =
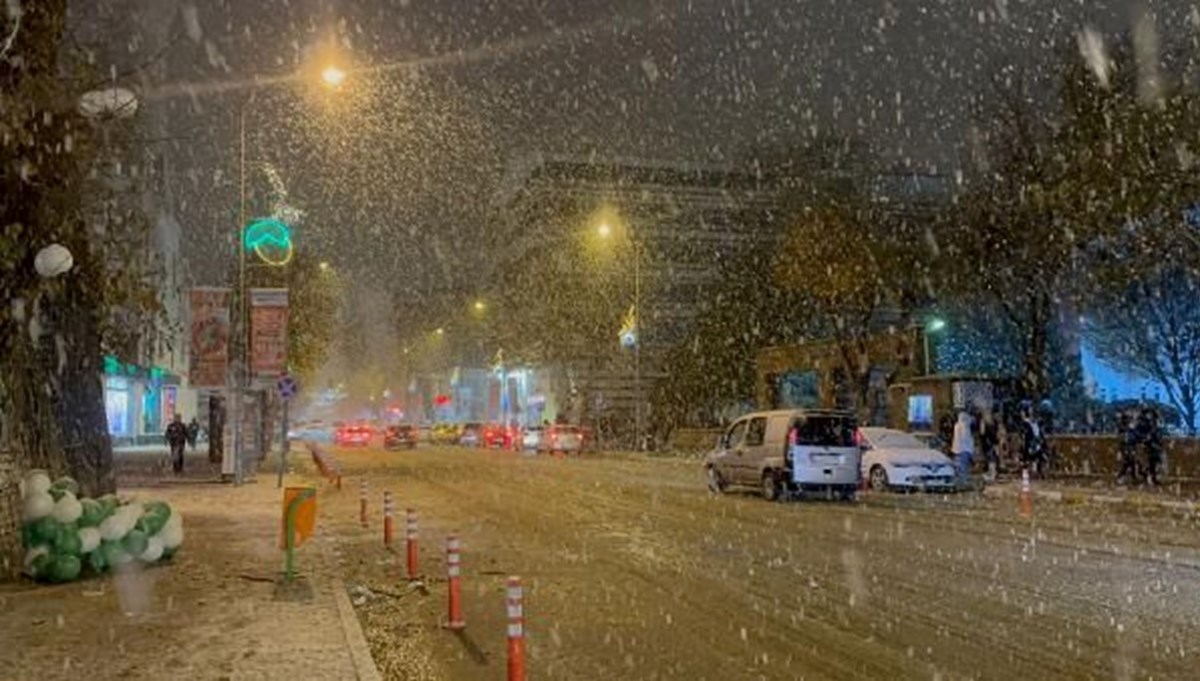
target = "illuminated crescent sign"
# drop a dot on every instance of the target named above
(271, 241)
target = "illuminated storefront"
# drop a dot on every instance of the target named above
(139, 402)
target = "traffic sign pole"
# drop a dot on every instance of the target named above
(283, 454)
(287, 388)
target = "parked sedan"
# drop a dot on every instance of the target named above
(893, 459)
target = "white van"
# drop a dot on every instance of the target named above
(788, 452)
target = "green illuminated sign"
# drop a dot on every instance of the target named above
(271, 241)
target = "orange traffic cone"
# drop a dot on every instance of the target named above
(1025, 498)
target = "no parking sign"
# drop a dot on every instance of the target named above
(287, 387)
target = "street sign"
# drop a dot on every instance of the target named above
(287, 386)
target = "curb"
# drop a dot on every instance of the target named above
(1080, 498)
(360, 652)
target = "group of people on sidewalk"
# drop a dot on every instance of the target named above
(992, 435)
(178, 436)
(1144, 433)
(989, 435)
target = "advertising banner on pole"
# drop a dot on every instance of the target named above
(268, 333)
(209, 352)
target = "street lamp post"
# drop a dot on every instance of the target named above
(604, 230)
(932, 326)
(637, 347)
(332, 77)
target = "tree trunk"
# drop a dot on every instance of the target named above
(80, 406)
(1035, 379)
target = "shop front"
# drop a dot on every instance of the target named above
(140, 401)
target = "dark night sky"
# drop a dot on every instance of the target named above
(445, 92)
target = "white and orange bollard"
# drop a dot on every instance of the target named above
(514, 595)
(387, 518)
(455, 621)
(362, 503)
(1025, 496)
(410, 545)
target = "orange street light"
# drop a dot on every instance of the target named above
(333, 77)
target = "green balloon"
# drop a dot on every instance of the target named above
(63, 568)
(96, 561)
(135, 542)
(44, 530)
(154, 518)
(114, 552)
(110, 503)
(93, 514)
(39, 565)
(67, 542)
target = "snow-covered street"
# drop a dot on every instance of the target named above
(633, 569)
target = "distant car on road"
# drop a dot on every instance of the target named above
(471, 435)
(353, 435)
(562, 438)
(402, 436)
(499, 437)
(893, 459)
(531, 438)
(444, 434)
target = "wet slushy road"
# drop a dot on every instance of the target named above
(634, 570)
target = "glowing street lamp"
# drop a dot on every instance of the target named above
(333, 77)
(480, 306)
(932, 325)
(440, 331)
(604, 230)
(324, 266)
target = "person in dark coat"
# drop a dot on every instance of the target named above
(193, 433)
(1129, 440)
(177, 437)
(989, 441)
(1151, 437)
(1033, 444)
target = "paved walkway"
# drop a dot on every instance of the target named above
(215, 612)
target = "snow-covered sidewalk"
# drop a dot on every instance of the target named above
(215, 611)
(1169, 496)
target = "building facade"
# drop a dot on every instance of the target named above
(685, 223)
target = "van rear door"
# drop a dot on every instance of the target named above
(823, 449)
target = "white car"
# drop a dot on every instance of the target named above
(531, 438)
(893, 459)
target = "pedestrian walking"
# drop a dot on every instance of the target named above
(989, 442)
(1151, 438)
(176, 437)
(963, 446)
(1127, 449)
(1033, 444)
(193, 433)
